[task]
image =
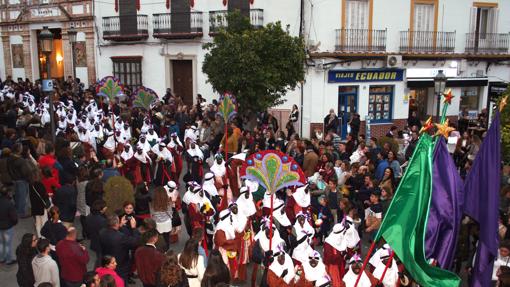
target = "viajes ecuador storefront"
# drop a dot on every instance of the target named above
(377, 94)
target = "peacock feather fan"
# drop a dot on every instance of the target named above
(227, 108)
(145, 98)
(273, 170)
(110, 87)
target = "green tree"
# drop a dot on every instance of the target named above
(257, 65)
(505, 129)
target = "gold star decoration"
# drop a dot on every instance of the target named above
(448, 97)
(444, 129)
(503, 103)
(427, 126)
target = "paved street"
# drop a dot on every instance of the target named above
(8, 273)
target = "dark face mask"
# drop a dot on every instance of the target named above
(356, 268)
(281, 259)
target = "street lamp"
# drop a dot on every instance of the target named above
(46, 45)
(439, 87)
(71, 32)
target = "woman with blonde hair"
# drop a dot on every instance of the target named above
(161, 212)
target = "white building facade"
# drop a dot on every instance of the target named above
(379, 58)
(21, 22)
(374, 57)
(159, 45)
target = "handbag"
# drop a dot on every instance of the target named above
(176, 219)
(46, 203)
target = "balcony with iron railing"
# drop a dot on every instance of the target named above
(427, 42)
(178, 25)
(487, 43)
(360, 40)
(126, 28)
(218, 19)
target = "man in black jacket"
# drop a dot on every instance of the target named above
(65, 200)
(95, 222)
(19, 170)
(117, 240)
(8, 219)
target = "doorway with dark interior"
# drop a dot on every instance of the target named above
(418, 101)
(347, 106)
(182, 80)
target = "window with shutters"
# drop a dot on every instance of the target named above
(128, 20)
(483, 36)
(484, 20)
(357, 14)
(423, 17)
(242, 5)
(128, 70)
(355, 33)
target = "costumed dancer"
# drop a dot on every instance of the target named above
(233, 167)
(261, 252)
(173, 195)
(244, 235)
(143, 166)
(195, 159)
(281, 271)
(109, 145)
(282, 221)
(125, 134)
(350, 278)
(190, 135)
(312, 272)
(266, 203)
(209, 187)
(142, 141)
(176, 149)
(163, 164)
(97, 135)
(152, 136)
(303, 224)
(86, 141)
(200, 214)
(299, 202)
(302, 248)
(391, 277)
(127, 164)
(338, 246)
(219, 170)
(226, 242)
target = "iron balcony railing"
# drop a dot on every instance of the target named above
(257, 17)
(175, 24)
(218, 19)
(427, 42)
(360, 40)
(131, 27)
(487, 43)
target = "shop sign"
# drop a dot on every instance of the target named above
(368, 75)
(45, 12)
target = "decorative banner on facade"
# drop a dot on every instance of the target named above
(367, 75)
(80, 53)
(17, 56)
